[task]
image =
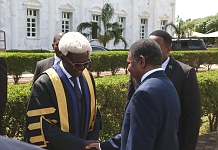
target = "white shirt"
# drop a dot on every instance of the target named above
(56, 59)
(150, 72)
(69, 76)
(164, 65)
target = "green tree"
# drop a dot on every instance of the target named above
(179, 31)
(190, 24)
(109, 31)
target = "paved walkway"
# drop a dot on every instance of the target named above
(208, 141)
(27, 77)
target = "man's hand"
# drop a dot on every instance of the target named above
(88, 142)
(93, 146)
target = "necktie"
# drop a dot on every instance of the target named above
(78, 95)
(76, 89)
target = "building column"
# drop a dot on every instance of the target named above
(82, 11)
(0, 15)
(133, 20)
(173, 4)
(50, 23)
(155, 16)
(14, 45)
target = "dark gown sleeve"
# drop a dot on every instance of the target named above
(3, 89)
(42, 97)
(37, 70)
(94, 134)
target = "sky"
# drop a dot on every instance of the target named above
(196, 8)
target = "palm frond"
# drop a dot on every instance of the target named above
(84, 25)
(111, 30)
(107, 14)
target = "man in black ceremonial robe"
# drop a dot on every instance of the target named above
(62, 112)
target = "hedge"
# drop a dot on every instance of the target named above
(103, 61)
(111, 96)
(208, 82)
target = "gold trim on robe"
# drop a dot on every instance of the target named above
(93, 102)
(39, 112)
(61, 98)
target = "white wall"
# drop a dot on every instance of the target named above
(51, 23)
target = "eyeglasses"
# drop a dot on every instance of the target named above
(80, 65)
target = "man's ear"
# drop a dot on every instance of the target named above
(169, 49)
(52, 45)
(142, 61)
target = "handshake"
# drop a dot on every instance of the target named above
(91, 145)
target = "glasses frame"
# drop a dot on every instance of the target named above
(79, 65)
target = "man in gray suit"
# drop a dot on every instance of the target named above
(44, 64)
(3, 89)
(9, 144)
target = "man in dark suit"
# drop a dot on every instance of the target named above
(185, 81)
(152, 115)
(10, 144)
(3, 89)
(47, 63)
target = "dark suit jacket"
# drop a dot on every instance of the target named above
(151, 117)
(9, 144)
(43, 65)
(3, 89)
(185, 81)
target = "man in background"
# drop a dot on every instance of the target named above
(47, 63)
(185, 81)
(152, 115)
(3, 90)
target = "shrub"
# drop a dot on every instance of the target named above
(20, 62)
(111, 97)
(208, 82)
(14, 117)
(103, 61)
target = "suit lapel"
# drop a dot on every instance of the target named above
(170, 67)
(51, 61)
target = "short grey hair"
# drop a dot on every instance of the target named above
(74, 42)
(149, 49)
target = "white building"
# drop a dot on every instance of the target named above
(32, 24)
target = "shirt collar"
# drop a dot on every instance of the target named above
(164, 65)
(56, 59)
(67, 74)
(64, 70)
(150, 72)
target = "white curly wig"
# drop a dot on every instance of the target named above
(74, 42)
